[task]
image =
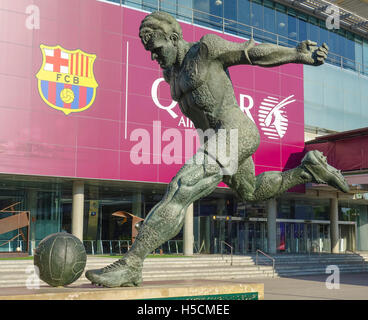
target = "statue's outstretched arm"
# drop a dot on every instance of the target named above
(264, 54)
(229, 53)
(270, 55)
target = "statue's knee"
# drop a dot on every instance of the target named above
(270, 177)
(173, 185)
(276, 177)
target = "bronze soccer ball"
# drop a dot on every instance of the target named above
(60, 258)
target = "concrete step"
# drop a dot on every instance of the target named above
(21, 281)
(13, 272)
(164, 271)
(314, 272)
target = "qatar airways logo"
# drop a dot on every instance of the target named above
(272, 116)
(272, 112)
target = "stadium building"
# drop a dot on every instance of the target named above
(88, 127)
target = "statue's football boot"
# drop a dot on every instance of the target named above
(315, 163)
(121, 273)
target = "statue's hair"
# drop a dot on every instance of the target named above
(159, 21)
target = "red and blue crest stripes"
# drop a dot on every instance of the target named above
(82, 95)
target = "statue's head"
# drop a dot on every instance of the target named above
(160, 34)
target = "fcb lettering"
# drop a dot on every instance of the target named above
(66, 81)
(67, 78)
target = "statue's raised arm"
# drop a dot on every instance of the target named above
(265, 54)
(271, 55)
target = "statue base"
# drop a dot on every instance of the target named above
(150, 290)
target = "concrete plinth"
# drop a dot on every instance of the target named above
(208, 289)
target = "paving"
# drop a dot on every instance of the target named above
(353, 286)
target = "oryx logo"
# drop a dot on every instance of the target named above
(272, 116)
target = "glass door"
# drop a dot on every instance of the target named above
(244, 237)
(218, 235)
(255, 236)
(325, 242)
(280, 236)
(251, 237)
(347, 237)
(320, 237)
(237, 235)
(307, 237)
(295, 234)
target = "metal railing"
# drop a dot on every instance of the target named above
(269, 257)
(231, 251)
(111, 247)
(242, 30)
(119, 247)
(95, 247)
(15, 245)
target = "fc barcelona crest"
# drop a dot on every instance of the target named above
(66, 81)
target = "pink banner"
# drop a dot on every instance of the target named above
(80, 92)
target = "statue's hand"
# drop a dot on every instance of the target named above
(310, 54)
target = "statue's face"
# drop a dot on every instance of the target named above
(163, 50)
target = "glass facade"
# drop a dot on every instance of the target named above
(270, 22)
(335, 99)
(302, 224)
(42, 199)
(303, 209)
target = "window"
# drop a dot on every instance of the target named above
(358, 53)
(230, 10)
(281, 26)
(201, 13)
(349, 50)
(333, 42)
(230, 13)
(323, 32)
(169, 7)
(302, 21)
(185, 10)
(244, 12)
(150, 5)
(292, 28)
(365, 56)
(270, 24)
(313, 30)
(132, 3)
(257, 20)
(244, 18)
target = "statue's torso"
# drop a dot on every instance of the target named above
(202, 89)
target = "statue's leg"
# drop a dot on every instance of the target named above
(267, 185)
(164, 221)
